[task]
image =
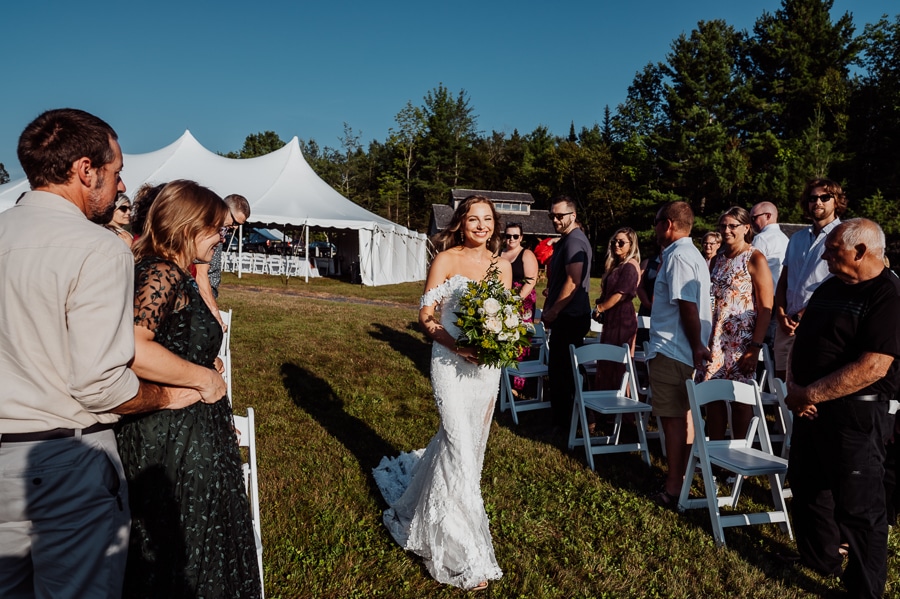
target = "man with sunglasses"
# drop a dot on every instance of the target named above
(823, 202)
(567, 309)
(209, 275)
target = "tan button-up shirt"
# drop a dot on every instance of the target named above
(66, 318)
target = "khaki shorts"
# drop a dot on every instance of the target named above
(784, 343)
(667, 386)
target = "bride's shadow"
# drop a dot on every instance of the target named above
(315, 396)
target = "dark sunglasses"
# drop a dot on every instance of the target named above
(559, 215)
(123, 208)
(825, 197)
(511, 236)
(729, 226)
(620, 243)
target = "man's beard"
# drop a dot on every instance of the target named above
(98, 212)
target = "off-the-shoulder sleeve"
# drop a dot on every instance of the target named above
(156, 292)
(435, 295)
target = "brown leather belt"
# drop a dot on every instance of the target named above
(56, 433)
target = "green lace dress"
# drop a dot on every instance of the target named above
(191, 533)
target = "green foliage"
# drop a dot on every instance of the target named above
(258, 144)
(725, 118)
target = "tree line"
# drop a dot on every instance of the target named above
(727, 117)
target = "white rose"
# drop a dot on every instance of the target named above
(508, 309)
(512, 321)
(502, 336)
(491, 306)
(493, 325)
(515, 336)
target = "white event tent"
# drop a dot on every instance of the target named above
(283, 190)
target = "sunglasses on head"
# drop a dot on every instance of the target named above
(511, 236)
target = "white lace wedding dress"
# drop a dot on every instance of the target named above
(434, 494)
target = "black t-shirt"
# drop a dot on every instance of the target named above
(842, 322)
(571, 249)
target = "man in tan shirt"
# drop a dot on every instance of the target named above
(66, 339)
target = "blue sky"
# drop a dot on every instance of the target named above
(227, 69)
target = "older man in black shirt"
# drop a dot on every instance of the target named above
(843, 371)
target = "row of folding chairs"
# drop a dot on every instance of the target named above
(263, 264)
(752, 455)
(245, 429)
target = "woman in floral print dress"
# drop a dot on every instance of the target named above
(742, 297)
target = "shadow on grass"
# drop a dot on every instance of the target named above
(319, 400)
(628, 472)
(406, 344)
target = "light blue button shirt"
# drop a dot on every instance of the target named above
(805, 267)
(683, 275)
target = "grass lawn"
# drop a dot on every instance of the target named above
(338, 376)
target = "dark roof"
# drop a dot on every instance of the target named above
(537, 223)
(497, 196)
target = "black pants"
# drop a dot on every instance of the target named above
(836, 473)
(564, 331)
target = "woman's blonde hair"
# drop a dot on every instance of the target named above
(182, 211)
(633, 251)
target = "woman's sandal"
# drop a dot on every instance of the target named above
(480, 586)
(844, 549)
(666, 500)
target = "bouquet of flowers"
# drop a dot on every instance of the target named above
(490, 320)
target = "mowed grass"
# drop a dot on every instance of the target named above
(338, 376)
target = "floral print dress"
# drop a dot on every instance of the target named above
(733, 316)
(191, 532)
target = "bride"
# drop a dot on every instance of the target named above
(436, 509)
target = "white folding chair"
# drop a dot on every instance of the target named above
(246, 262)
(225, 351)
(229, 260)
(640, 353)
(766, 381)
(526, 369)
(737, 456)
(275, 265)
(260, 266)
(614, 402)
(647, 396)
(787, 417)
(245, 426)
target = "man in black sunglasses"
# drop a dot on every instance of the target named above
(567, 309)
(823, 202)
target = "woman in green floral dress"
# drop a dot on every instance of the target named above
(191, 532)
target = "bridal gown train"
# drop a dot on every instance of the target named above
(434, 494)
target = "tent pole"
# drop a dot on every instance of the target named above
(306, 252)
(240, 248)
